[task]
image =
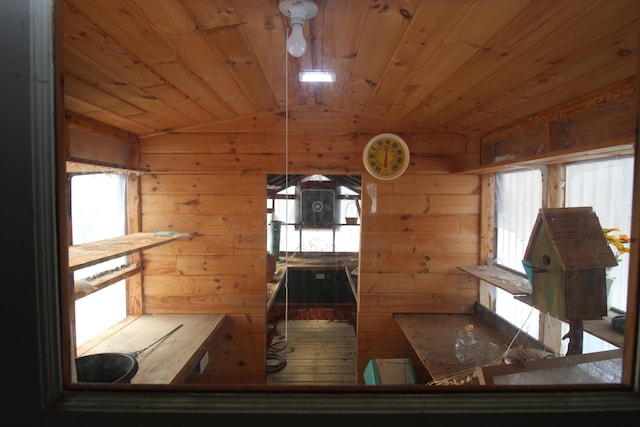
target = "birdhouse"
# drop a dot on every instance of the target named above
(566, 260)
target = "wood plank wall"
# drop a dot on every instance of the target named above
(415, 231)
(211, 183)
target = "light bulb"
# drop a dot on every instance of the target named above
(296, 44)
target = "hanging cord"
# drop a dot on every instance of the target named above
(275, 361)
(518, 333)
(286, 181)
(506, 352)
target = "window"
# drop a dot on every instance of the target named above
(518, 199)
(604, 184)
(344, 236)
(98, 211)
(607, 186)
(517, 313)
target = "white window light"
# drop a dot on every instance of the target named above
(317, 76)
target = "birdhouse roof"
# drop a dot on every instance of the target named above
(577, 237)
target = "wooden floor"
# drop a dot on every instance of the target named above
(316, 352)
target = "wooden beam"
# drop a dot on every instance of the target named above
(95, 126)
(574, 154)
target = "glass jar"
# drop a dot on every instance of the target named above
(465, 346)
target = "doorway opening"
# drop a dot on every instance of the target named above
(314, 236)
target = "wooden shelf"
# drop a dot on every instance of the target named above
(84, 287)
(91, 253)
(604, 330)
(515, 284)
(593, 152)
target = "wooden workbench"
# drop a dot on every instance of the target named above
(274, 284)
(169, 361)
(314, 261)
(433, 336)
(322, 260)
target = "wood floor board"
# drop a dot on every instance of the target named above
(311, 338)
(323, 363)
(318, 369)
(316, 352)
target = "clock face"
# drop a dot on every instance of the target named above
(386, 156)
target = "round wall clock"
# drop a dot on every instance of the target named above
(386, 156)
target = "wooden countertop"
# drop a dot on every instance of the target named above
(274, 285)
(433, 336)
(170, 360)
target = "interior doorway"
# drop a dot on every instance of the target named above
(314, 234)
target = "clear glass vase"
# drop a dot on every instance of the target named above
(465, 346)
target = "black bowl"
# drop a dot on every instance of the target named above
(106, 368)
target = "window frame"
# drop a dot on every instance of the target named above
(551, 330)
(51, 401)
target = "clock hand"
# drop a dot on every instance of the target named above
(386, 151)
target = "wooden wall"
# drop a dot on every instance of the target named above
(415, 230)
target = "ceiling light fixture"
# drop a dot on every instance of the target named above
(317, 76)
(297, 11)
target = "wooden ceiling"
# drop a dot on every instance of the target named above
(466, 66)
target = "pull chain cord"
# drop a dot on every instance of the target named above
(286, 186)
(275, 361)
